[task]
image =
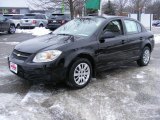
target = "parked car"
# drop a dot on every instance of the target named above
(156, 23)
(14, 18)
(76, 51)
(33, 20)
(6, 25)
(56, 20)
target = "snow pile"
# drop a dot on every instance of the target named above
(10, 43)
(157, 38)
(38, 31)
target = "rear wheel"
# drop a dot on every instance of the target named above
(18, 26)
(80, 73)
(145, 57)
(41, 25)
(12, 29)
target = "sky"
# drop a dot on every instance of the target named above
(20, 3)
(10, 3)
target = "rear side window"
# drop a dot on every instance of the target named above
(132, 27)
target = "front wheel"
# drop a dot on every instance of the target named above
(80, 73)
(12, 29)
(145, 57)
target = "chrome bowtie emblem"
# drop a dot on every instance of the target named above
(18, 55)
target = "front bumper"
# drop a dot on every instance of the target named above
(39, 72)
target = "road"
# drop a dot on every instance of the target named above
(128, 92)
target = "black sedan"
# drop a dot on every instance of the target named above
(57, 20)
(77, 50)
(6, 25)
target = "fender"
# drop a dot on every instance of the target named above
(75, 54)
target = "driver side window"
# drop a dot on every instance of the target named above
(114, 27)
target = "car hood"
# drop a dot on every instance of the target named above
(40, 43)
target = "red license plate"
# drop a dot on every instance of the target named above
(13, 67)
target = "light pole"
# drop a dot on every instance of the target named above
(100, 8)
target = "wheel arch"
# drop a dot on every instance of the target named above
(12, 24)
(148, 45)
(86, 56)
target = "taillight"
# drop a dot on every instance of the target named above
(63, 21)
(49, 21)
(34, 22)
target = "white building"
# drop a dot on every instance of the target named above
(13, 7)
(27, 6)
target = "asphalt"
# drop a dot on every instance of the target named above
(127, 92)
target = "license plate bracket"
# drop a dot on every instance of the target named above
(13, 67)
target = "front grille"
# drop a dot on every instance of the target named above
(20, 55)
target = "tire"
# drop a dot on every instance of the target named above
(12, 29)
(83, 78)
(41, 25)
(145, 57)
(18, 26)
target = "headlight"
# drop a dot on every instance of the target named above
(47, 56)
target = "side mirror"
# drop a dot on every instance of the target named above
(108, 35)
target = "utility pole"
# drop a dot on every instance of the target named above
(62, 6)
(100, 8)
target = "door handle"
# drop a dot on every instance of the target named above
(124, 41)
(141, 38)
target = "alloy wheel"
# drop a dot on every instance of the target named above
(146, 56)
(82, 73)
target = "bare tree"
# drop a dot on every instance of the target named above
(154, 9)
(138, 6)
(120, 5)
(73, 5)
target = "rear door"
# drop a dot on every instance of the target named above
(135, 38)
(111, 50)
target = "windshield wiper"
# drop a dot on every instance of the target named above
(66, 34)
(71, 37)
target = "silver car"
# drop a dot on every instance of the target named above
(33, 20)
(14, 18)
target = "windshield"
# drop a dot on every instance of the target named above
(57, 16)
(81, 27)
(29, 16)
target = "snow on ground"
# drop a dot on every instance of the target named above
(9, 43)
(38, 31)
(157, 38)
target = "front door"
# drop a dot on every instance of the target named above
(111, 49)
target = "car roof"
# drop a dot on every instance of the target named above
(34, 14)
(109, 17)
(59, 14)
(11, 14)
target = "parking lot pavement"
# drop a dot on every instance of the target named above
(128, 92)
(156, 30)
